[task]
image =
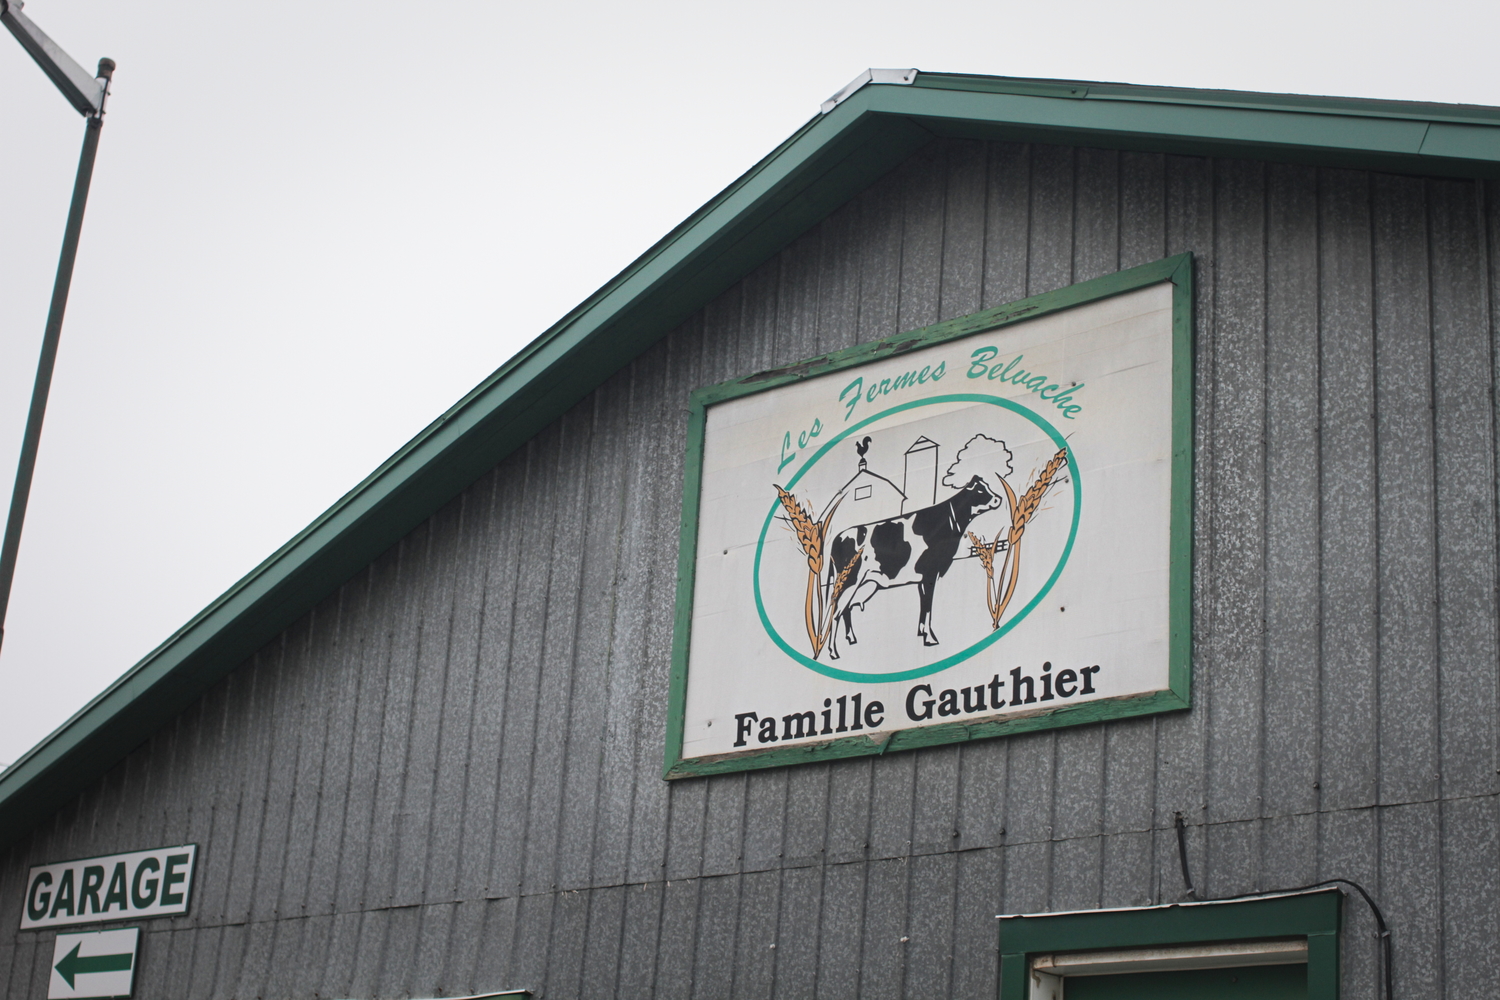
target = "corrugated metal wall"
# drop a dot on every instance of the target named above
(445, 779)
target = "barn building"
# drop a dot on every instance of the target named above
(420, 750)
(866, 490)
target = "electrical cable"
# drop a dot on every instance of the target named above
(1187, 879)
(1383, 931)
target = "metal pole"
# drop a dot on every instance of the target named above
(27, 465)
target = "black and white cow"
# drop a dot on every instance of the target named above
(914, 548)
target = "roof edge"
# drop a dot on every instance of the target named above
(1229, 99)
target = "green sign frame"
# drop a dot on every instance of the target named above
(1314, 915)
(1178, 270)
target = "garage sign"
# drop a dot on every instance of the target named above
(155, 883)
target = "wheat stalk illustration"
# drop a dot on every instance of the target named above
(839, 584)
(986, 551)
(1022, 512)
(811, 535)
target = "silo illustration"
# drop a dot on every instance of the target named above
(920, 485)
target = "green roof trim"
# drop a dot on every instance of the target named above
(822, 165)
(1404, 137)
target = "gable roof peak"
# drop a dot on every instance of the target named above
(898, 77)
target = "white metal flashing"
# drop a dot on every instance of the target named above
(502, 995)
(899, 77)
(1049, 972)
(1220, 955)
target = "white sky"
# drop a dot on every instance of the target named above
(314, 226)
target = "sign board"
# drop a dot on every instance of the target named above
(968, 530)
(155, 883)
(94, 964)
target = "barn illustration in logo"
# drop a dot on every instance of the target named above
(872, 537)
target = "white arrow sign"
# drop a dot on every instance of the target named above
(97, 964)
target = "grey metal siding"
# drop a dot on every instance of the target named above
(445, 778)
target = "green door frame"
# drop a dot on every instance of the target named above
(1314, 915)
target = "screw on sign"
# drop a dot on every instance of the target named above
(95, 964)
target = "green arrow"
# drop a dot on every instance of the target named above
(72, 965)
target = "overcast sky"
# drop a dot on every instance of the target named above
(314, 226)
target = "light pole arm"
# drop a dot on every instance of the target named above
(87, 94)
(78, 85)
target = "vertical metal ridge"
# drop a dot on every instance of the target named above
(310, 736)
(593, 613)
(407, 785)
(662, 488)
(1479, 819)
(450, 793)
(1080, 762)
(214, 819)
(514, 782)
(964, 222)
(493, 653)
(553, 647)
(618, 773)
(1406, 700)
(1181, 744)
(401, 627)
(1096, 213)
(255, 716)
(1292, 532)
(264, 868)
(432, 723)
(1349, 608)
(568, 475)
(341, 687)
(361, 677)
(1233, 682)
(836, 310)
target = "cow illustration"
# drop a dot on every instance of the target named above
(914, 548)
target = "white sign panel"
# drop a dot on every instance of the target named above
(929, 543)
(153, 883)
(94, 964)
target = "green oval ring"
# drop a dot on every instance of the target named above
(959, 657)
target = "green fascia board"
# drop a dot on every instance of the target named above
(1404, 137)
(822, 165)
(1451, 140)
(1478, 114)
(1191, 122)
